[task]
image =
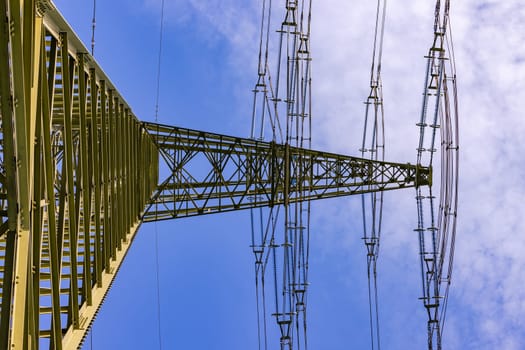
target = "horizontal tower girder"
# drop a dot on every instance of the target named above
(210, 173)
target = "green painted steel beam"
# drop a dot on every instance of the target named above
(68, 215)
(211, 173)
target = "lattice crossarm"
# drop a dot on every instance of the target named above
(210, 173)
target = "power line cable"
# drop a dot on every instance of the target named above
(374, 143)
(158, 285)
(157, 98)
(159, 60)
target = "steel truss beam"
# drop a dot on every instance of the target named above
(210, 173)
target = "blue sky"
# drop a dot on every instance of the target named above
(207, 290)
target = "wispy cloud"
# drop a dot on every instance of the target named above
(230, 21)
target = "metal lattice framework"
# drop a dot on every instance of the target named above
(210, 173)
(79, 174)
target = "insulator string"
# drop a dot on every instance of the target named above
(93, 25)
(373, 148)
(437, 218)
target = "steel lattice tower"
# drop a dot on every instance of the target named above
(80, 172)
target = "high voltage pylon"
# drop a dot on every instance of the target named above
(79, 174)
